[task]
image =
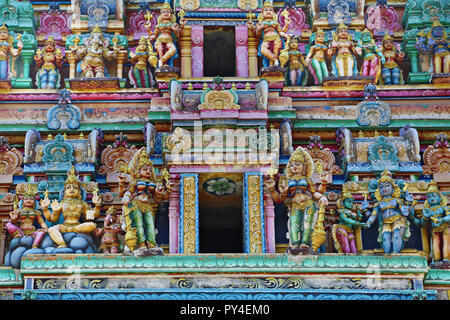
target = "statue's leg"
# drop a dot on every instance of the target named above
(137, 76)
(52, 77)
(56, 236)
(343, 241)
(160, 50)
(446, 244)
(366, 68)
(294, 224)
(38, 237)
(145, 78)
(149, 221)
(14, 230)
(293, 77)
(323, 67)
(307, 225)
(316, 65)
(265, 51)
(437, 246)
(341, 66)
(139, 224)
(437, 64)
(86, 227)
(387, 242)
(43, 78)
(171, 50)
(115, 249)
(386, 75)
(397, 241)
(348, 66)
(88, 73)
(373, 67)
(447, 63)
(99, 71)
(277, 45)
(352, 241)
(3, 69)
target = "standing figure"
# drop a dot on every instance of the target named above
(6, 48)
(392, 212)
(165, 34)
(390, 71)
(373, 58)
(425, 59)
(316, 58)
(296, 74)
(343, 51)
(22, 219)
(350, 219)
(439, 47)
(72, 207)
(92, 54)
(110, 232)
(435, 209)
(298, 187)
(140, 201)
(270, 32)
(144, 57)
(48, 61)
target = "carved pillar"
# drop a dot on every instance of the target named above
(27, 56)
(414, 62)
(189, 220)
(269, 213)
(121, 57)
(72, 64)
(253, 42)
(185, 44)
(242, 59)
(197, 51)
(253, 210)
(174, 215)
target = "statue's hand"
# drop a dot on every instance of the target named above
(323, 201)
(437, 222)
(125, 200)
(364, 204)
(45, 203)
(270, 184)
(96, 199)
(364, 225)
(55, 205)
(13, 215)
(160, 190)
(383, 60)
(250, 25)
(408, 197)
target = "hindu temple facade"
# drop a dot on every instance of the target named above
(241, 149)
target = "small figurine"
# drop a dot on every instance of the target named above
(435, 209)
(140, 202)
(439, 47)
(303, 210)
(296, 74)
(392, 212)
(6, 48)
(271, 34)
(316, 58)
(166, 33)
(390, 71)
(373, 58)
(92, 54)
(48, 61)
(110, 232)
(343, 51)
(22, 219)
(350, 219)
(71, 207)
(140, 73)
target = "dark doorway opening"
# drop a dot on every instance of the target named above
(219, 52)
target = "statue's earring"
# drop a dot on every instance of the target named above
(79, 197)
(138, 176)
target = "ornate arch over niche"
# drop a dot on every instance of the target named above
(436, 158)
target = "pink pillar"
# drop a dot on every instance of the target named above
(174, 215)
(269, 213)
(197, 51)
(241, 34)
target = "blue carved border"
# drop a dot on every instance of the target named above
(181, 221)
(245, 215)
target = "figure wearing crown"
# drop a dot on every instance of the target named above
(373, 57)
(392, 209)
(6, 48)
(297, 186)
(436, 211)
(296, 74)
(72, 207)
(316, 58)
(48, 61)
(110, 232)
(270, 33)
(140, 202)
(93, 53)
(390, 71)
(166, 32)
(142, 59)
(439, 47)
(343, 52)
(25, 215)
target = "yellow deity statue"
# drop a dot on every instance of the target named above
(6, 48)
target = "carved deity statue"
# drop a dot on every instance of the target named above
(110, 232)
(165, 34)
(72, 207)
(6, 48)
(436, 211)
(140, 202)
(439, 48)
(143, 57)
(425, 60)
(303, 209)
(296, 74)
(48, 60)
(373, 57)
(316, 58)
(270, 33)
(23, 218)
(343, 51)
(391, 210)
(390, 71)
(93, 53)
(350, 219)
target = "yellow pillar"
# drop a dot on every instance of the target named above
(185, 44)
(253, 43)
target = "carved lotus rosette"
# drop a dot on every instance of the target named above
(114, 158)
(436, 160)
(10, 162)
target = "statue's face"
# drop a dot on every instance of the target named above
(142, 46)
(437, 32)
(366, 37)
(50, 46)
(386, 189)
(320, 37)
(166, 14)
(72, 191)
(343, 34)
(293, 45)
(433, 198)
(4, 34)
(145, 172)
(28, 201)
(348, 203)
(96, 38)
(267, 13)
(388, 44)
(296, 167)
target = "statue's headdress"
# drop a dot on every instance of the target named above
(140, 159)
(433, 188)
(97, 29)
(300, 154)
(386, 176)
(342, 26)
(112, 211)
(346, 194)
(3, 27)
(267, 3)
(72, 178)
(387, 37)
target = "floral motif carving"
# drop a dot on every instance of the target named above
(436, 157)
(116, 156)
(10, 159)
(54, 23)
